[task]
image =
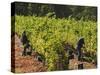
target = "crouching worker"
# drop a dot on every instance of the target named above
(27, 49)
(80, 45)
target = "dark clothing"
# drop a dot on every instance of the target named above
(24, 38)
(79, 46)
(27, 49)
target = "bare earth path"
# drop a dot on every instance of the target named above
(24, 64)
(73, 64)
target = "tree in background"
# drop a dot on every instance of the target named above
(61, 11)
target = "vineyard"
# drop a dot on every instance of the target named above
(49, 36)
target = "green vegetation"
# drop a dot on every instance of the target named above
(60, 11)
(47, 35)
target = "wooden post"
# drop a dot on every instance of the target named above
(60, 62)
(80, 66)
